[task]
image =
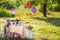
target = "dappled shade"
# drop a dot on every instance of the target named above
(53, 21)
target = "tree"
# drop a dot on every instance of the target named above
(45, 3)
(44, 10)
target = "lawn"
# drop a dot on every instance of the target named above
(44, 28)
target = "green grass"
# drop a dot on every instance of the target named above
(44, 28)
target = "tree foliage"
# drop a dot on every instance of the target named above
(9, 4)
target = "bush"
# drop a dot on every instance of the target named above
(4, 13)
(57, 8)
(7, 5)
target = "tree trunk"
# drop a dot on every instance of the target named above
(44, 9)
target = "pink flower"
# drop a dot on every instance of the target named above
(13, 11)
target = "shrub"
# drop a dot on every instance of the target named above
(4, 13)
(57, 8)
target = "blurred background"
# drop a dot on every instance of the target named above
(45, 19)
